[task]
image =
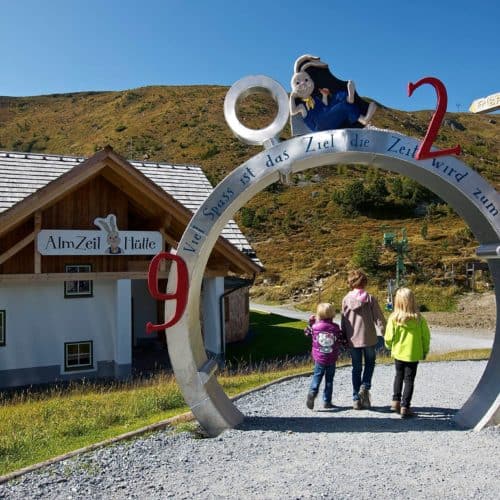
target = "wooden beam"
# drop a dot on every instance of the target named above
(171, 241)
(38, 256)
(136, 266)
(167, 221)
(212, 271)
(17, 247)
(131, 275)
(139, 275)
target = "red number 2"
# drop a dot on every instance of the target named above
(424, 151)
(180, 295)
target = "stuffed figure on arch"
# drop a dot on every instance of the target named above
(320, 101)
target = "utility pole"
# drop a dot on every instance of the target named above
(401, 249)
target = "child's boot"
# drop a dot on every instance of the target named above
(310, 400)
(406, 412)
(364, 396)
(396, 406)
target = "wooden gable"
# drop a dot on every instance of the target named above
(103, 184)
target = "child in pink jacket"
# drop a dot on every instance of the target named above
(327, 338)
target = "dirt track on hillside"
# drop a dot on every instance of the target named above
(474, 311)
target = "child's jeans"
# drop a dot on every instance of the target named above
(328, 371)
(359, 376)
(405, 372)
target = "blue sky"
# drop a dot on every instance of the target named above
(58, 46)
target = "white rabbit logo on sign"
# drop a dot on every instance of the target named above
(113, 239)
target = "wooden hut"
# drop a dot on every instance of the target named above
(76, 239)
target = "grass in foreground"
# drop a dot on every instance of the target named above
(465, 355)
(35, 427)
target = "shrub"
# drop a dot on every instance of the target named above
(211, 151)
(424, 230)
(248, 217)
(463, 236)
(350, 199)
(366, 254)
(376, 192)
(261, 215)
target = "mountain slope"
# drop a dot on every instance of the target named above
(303, 236)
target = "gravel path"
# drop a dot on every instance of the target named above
(285, 451)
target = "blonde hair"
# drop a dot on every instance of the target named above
(325, 310)
(357, 278)
(405, 306)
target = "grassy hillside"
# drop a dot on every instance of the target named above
(302, 234)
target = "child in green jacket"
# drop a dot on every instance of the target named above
(408, 337)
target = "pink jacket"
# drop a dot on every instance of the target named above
(327, 339)
(360, 314)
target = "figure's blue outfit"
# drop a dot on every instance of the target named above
(333, 115)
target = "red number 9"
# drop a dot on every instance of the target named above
(180, 295)
(424, 151)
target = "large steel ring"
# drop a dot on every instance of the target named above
(249, 85)
(463, 188)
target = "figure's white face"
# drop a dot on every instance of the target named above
(302, 84)
(114, 240)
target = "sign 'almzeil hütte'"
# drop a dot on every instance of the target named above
(108, 241)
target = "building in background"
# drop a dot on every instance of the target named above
(76, 239)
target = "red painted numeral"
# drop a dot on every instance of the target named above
(180, 295)
(424, 151)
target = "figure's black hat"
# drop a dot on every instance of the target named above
(308, 60)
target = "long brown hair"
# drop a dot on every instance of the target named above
(357, 278)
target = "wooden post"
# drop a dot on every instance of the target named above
(37, 257)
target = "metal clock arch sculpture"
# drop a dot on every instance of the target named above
(464, 189)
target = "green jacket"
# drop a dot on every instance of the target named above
(409, 341)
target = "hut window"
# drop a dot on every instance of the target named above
(78, 356)
(2, 327)
(78, 288)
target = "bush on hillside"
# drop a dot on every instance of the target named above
(248, 217)
(366, 254)
(351, 199)
(380, 195)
